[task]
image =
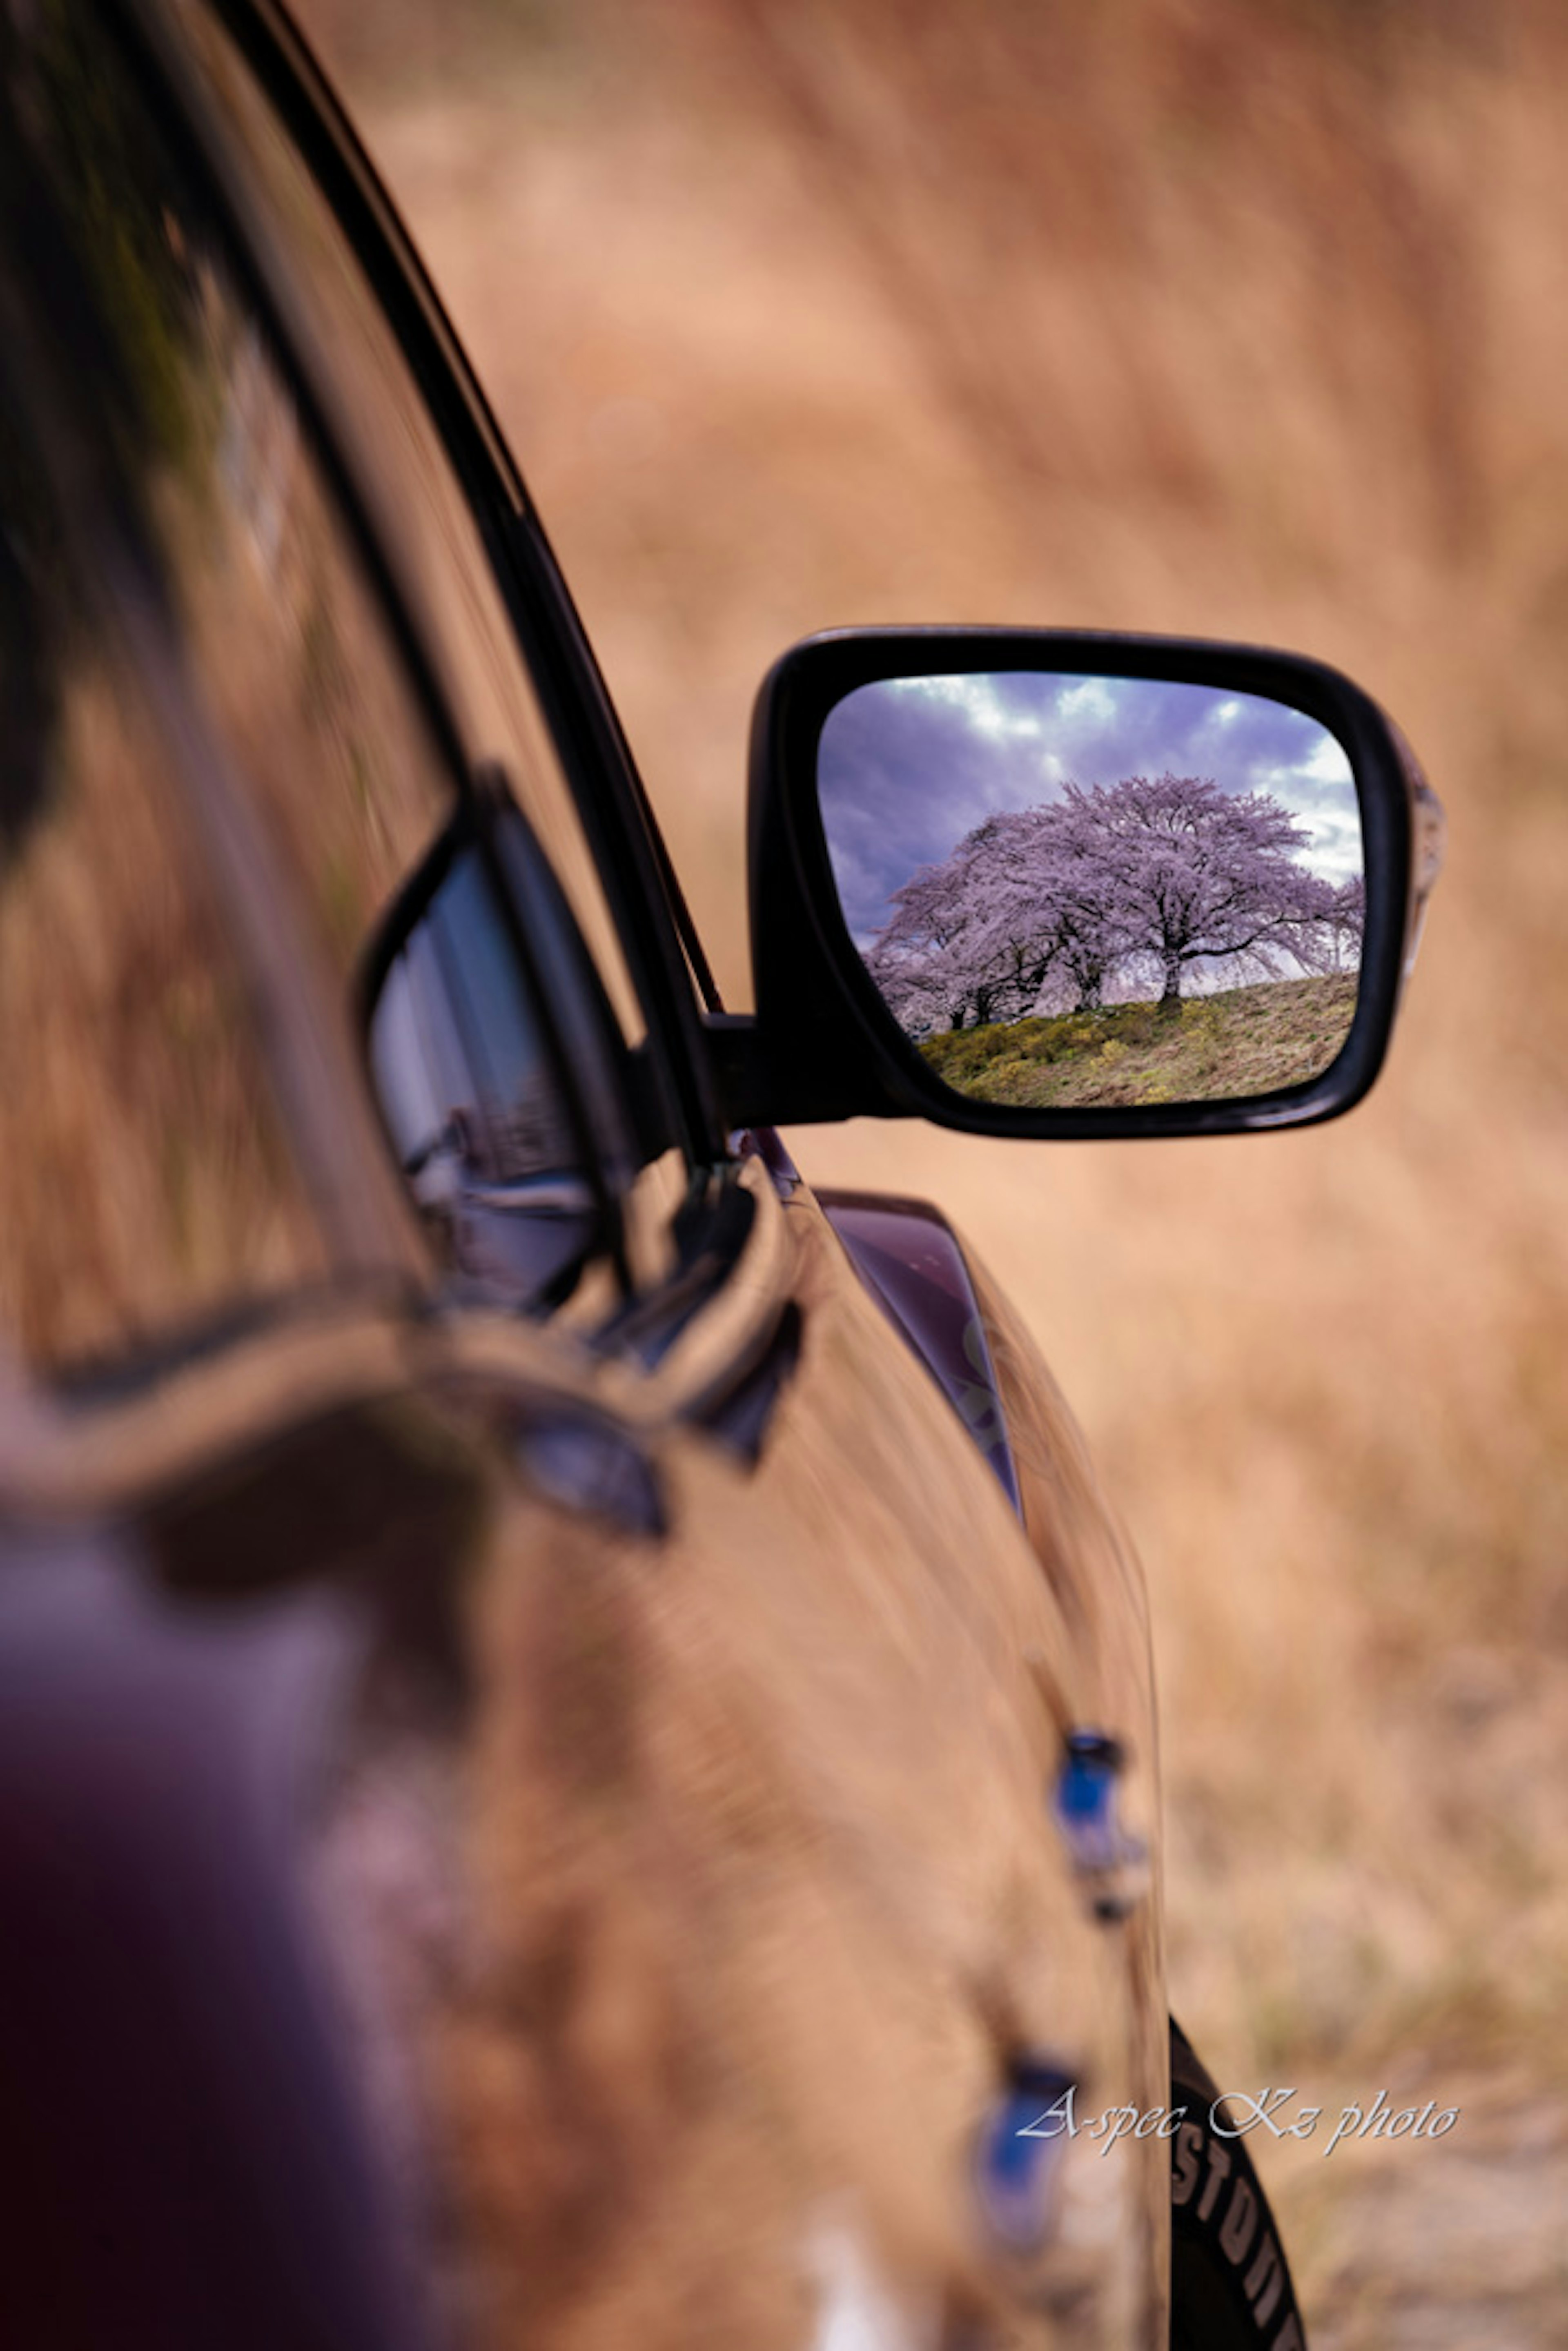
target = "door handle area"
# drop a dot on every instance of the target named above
(1113, 1863)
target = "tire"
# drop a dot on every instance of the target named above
(1230, 2284)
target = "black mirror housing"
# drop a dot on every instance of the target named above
(823, 1044)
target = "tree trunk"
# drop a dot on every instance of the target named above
(1173, 980)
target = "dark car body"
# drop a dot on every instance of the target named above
(576, 1737)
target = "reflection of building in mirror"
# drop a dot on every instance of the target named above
(1075, 891)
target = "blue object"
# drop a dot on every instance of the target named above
(1020, 2154)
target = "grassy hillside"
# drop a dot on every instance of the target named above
(1239, 1041)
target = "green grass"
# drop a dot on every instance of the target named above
(1239, 1041)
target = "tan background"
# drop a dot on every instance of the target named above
(1242, 320)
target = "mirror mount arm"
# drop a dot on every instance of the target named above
(759, 1084)
(744, 1076)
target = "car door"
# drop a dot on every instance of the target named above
(665, 1871)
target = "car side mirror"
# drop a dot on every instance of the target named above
(1033, 884)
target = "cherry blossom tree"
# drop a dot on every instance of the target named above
(1202, 876)
(1115, 887)
(1347, 923)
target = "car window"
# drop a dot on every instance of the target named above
(422, 514)
(241, 765)
(427, 529)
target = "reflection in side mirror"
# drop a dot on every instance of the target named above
(1075, 891)
(469, 1090)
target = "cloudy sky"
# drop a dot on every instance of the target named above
(908, 767)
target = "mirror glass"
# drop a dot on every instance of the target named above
(1098, 892)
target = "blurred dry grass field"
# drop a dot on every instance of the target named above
(1229, 319)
